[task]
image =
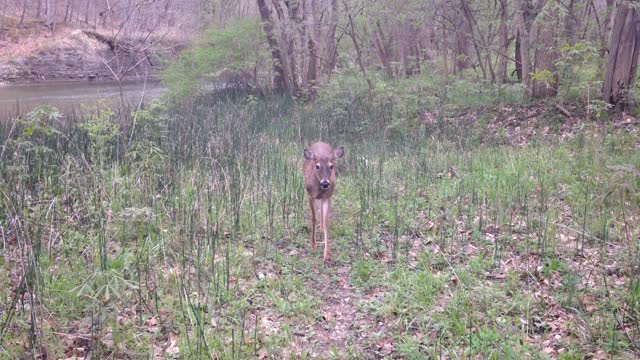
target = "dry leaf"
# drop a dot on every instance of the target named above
(172, 347)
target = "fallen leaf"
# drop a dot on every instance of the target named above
(172, 347)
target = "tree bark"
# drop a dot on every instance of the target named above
(518, 57)
(606, 26)
(623, 55)
(331, 38)
(546, 53)
(523, 36)
(86, 13)
(48, 12)
(504, 43)
(280, 78)
(381, 42)
(53, 17)
(295, 48)
(356, 45)
(313, 33)
(444, 43)
(4, 12)
(463, 29)
(570, 23)
(24, 9)
(469, 19)
(445, 51)
(68, 16)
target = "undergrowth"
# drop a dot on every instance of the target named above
(189, 237)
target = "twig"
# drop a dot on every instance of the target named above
(579, 232)
(135, 116)
(563, 111)
(13, 126)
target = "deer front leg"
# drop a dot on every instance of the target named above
(325, 229)
(312, 205)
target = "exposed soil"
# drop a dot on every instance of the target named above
(33, 53)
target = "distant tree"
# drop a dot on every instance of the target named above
(24, 10)
(331, 48)
(4, 13)
(539, 34)
(503, 48)
(522, 45)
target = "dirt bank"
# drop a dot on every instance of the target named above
(33, 53)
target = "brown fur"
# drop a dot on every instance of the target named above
(319, 169)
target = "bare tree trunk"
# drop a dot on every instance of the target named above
(38, 9)
(624, 48)
(313, 32)
(518, 56)
(412, 49)
(86, 13)
(417, 69)
(504, 43)
(404, 44)
(470, 21)
(546, 53)
(48, 12)
(356, 45)
(294, 41)
(286, 14)
(104, 14)
(331, 39)
(68, 18)
(462, 31)
(53, 18)
(280, 78)
(4, 12)
(445, 51)
(304, 28)
(523, 36)
(381, 46)
(24, 9)
(570, 22)
(606, 26)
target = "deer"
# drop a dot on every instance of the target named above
(320, 182)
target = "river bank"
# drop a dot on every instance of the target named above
(70, 96)
(34, 54)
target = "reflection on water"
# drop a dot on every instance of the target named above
(69, 96)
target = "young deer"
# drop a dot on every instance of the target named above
(320, 181)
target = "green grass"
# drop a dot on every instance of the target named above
(191, 236)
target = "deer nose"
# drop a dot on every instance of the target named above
(324, 184)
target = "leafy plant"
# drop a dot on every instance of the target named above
(238, 49)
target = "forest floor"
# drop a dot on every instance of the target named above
(519, 241)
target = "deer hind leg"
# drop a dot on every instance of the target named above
(312, 205)
(325, 228)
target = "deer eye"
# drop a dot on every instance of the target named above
(331, 166)
(317, 166)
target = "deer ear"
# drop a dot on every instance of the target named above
(309, 155)
(338, 152)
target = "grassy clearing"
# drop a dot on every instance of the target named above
(190, 238)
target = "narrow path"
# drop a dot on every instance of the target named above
(333, 331)
(343, 327)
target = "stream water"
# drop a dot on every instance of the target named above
(71, 95)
